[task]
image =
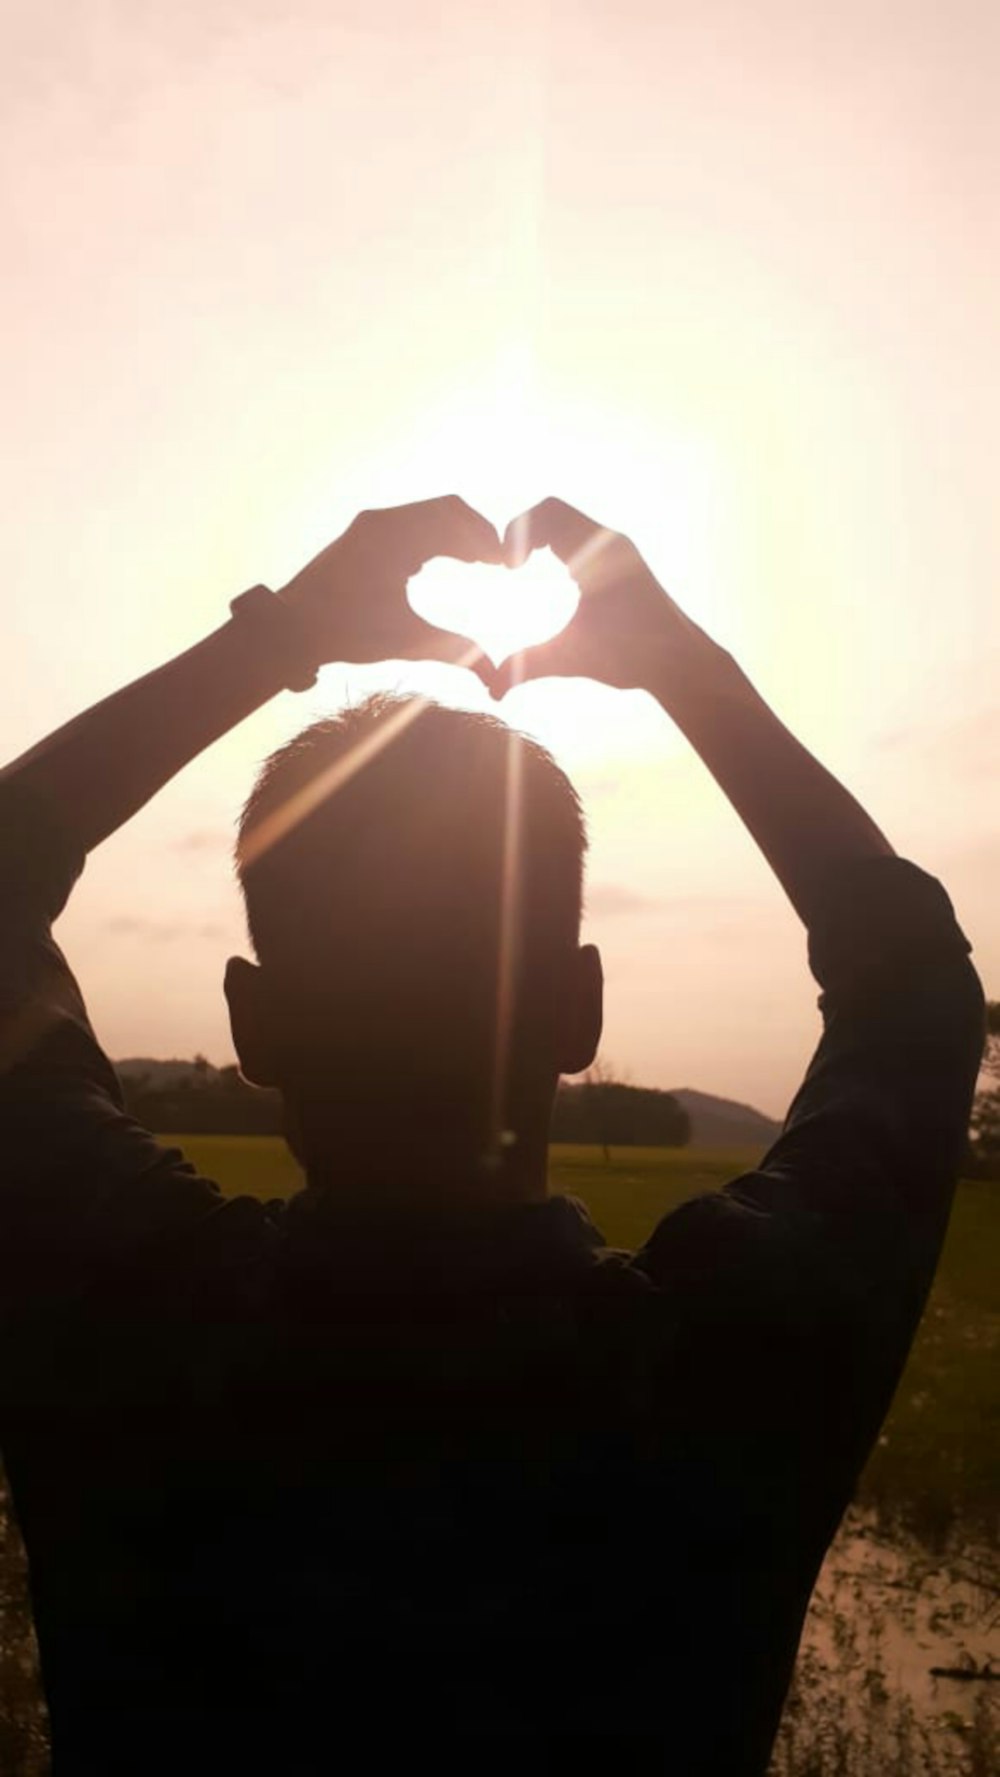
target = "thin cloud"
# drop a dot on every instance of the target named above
(716, 917)
(608, 899)
(203, 839)
(161, 931)
(967, 743)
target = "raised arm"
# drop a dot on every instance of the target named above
(83, 1186)
(841, 1224)
(630, 634)
(349, 604)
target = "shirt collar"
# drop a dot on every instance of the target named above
(552, 1241)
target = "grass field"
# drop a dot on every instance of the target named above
(936, 1465)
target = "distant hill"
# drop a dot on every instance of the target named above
(722, 1123)
(715, 1122)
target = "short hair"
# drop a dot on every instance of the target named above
(402, 816)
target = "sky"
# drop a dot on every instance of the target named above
(723, 276)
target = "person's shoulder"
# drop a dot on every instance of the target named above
(242, 1235)
(755, 1251)
(880, 922)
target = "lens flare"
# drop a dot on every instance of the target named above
(510, 908)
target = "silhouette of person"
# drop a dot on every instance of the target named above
(419, 1466)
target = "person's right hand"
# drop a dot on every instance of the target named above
(625, 626)
(351, 599)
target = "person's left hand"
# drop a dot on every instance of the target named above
(351, 599)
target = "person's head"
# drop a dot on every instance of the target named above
(413, 885)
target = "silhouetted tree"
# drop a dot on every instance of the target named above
(991, 1059)
(203, 1101)
(984, 1128)
(597, 1103)
(600, 1109)
(609, 1112)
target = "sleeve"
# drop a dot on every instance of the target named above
(85, 1191)
(804, 1280)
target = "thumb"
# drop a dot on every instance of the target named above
(431, 643)
(547, 660)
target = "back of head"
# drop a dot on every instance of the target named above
(413, 882)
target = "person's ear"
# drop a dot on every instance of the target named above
(582, 1016)
(250, 1022)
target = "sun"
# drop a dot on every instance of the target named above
(504, 610)
(504, 439)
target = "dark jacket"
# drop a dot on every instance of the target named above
(316, 1490)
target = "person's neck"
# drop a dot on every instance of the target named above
(380, 1170)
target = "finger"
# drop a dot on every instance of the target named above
(471, 536)
(485, 672)
(552, 524)
(427, 642)
(446, 526)
(548, 660)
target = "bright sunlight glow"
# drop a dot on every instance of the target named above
(503, 440)
(502, 609)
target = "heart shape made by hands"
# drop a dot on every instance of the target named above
(502, 610)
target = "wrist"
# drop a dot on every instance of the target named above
(276, 627)
(685, 669)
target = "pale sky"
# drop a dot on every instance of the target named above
(724, 276)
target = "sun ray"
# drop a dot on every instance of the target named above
(507, 947)
(588, 552)
(297, 807)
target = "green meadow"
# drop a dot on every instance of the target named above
(936, 1465)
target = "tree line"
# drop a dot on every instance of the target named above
(597, 1109)
(984, 1132)
(209, 1101)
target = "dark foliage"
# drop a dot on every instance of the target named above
(984, 1131)
(615, 1115)
(207, 1101)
